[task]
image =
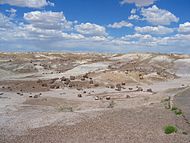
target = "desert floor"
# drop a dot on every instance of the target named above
(94, 98)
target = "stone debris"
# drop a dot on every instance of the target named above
(63, 78)
(67, 81)
(118, 87)
(127, 96)
(82, 79)
(85, 76)
(97, 98)
(149, 90)
(112, 86)
(108, 97)
(130, 88)
(123, 83)
(36, 96)
(91, 81)
(139, 89)
(72, 77)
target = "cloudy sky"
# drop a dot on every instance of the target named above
(95, 25)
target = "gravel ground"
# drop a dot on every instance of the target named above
(182, 101)
(140, 125)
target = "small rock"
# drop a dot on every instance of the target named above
(39, 81)
(96, 98)
(36, 96)
(118, 86)
(57, 87)
(79, 95)
(91, 82)
(67, 81)
(85, 76)
(149, 90)
(53, 80)
(140, 89)
(130, 88)
(30, 96)
(123, 83)
(112, 86)
(84, 91)
(108, 97)
(72, 77)
(52, 86)
(63, 79)
(82, 78)
(44, 85)
(127, 96)
(118, 89)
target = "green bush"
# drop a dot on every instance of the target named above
(174, 108)
(178, 112)
(170, 129)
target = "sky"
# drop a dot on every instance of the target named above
(111, 26)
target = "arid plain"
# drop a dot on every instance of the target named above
(94, 98)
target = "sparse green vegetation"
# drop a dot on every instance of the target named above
(174, 108)
(178, 112)
(169, 129)
(65, 109)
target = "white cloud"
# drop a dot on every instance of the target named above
(137, 37)
(160, 30)
(134, 17)
(133, 11)
(158, 16)
(139, 3)
(47, 20)
(5, 22)
(91, 29)
(184, 28)
(120, 24)
(72, 36)
(28, 3)
(46, 31)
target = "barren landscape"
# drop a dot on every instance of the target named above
(94, 98)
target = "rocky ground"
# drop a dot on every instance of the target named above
(62, 97)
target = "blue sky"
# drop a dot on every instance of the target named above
(95, 25)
